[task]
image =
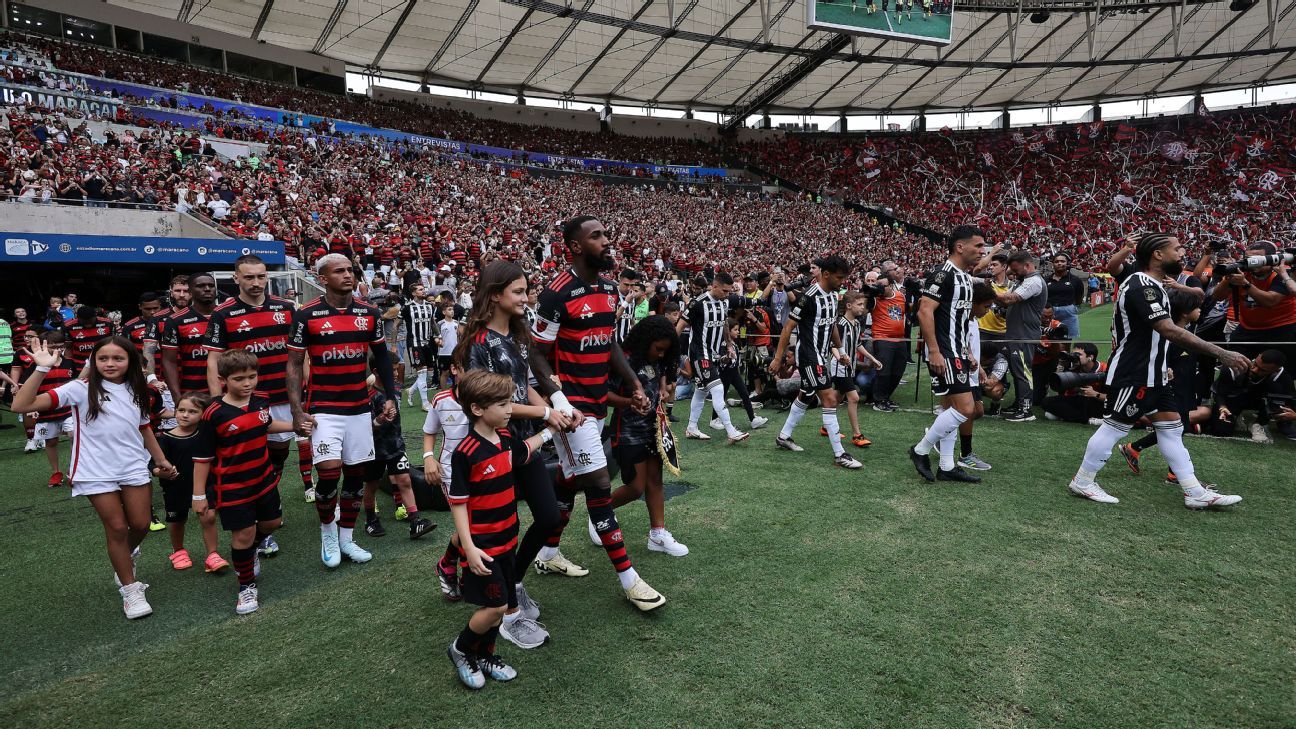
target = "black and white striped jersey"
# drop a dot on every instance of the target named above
(706, 317)
(420, 322)
(625, 317)
(951, 287)
(530, 313)
(849, 333)
(814, 312)
(1139, 355)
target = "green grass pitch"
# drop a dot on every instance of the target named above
(839, 13)
(812, 597)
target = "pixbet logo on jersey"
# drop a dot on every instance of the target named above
(595, 340)
(343, 353)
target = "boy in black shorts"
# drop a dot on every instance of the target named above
(483, 500)
(390, 461)
(232, 445)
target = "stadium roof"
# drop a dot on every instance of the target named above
(745, 55)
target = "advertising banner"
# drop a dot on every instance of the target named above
(59, 248)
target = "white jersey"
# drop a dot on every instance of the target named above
(974, 354)
(446, 417)
(111, 446)
(449, 337)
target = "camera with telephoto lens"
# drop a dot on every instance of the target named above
(1219, 246)
(1071, 380)
(1250, 263)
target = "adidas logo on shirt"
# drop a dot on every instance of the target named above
(489, 470)
(586, 311)
(244, 326)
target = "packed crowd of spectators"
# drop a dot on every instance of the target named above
(407, 117)
(1212, 177)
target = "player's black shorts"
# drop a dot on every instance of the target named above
(376, 469)
(956, 379)
(265, 507)
(443, 362)
(497, 589)
(420, 357)
(178, 500)
(1125, 405)
(705, 371)
(814, 376)
(844, 384)
(628, 457)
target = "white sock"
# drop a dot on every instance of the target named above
(695, 407)
(627, 578)
(722, 410)
(344, 535)
(947, 422)
(547, 553)
(420, 384)
(1170, 441)
(834, 430)
(656, 532)
(946, 448)
(1100, 448)
(510, 618)
(797, 412)
(329, 528)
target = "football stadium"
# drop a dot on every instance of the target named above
(689, 363)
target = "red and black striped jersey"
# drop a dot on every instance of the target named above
(261, 330)
(81, 338)
(60, 374)
(481, 477)
(184, 331)
(233, 439)
(153, 333)
(338, 342)
(580, 319)
(135, 330)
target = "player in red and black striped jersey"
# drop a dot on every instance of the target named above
(136, 329)
(483, 501)
(51, 424)
(257, 323)
(184, 354)
(339, 334)
(177, 298)
(575, 322)
(232, 446)
(83, 331)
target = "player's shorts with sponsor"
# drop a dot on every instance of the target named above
(957, 378)
(281, 412)
(92, 488)
(265, 507)
(581, 452)
(52, 429)
(420, 357)
(1125, 405)
(705, 371)
(814, 375)
(348, 438)
(376, 469)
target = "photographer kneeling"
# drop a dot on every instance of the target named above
(1266, 388)
(1077, 401)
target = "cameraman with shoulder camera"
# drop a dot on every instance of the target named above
(1264, 299)
(1077, 400)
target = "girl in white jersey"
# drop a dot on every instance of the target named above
(111, 445)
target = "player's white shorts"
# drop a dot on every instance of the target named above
(348, 438)
(51, 430)
(141, 479)
(281, 412)
(581, 452)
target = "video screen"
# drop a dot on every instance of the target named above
(919, 21)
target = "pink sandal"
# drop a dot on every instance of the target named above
(216, 563)
(180, 559)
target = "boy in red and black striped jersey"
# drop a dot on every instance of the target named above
(340, 334)
(232, 445)
(83, 331)
(184, 356)
(258, 323)
(483, 501)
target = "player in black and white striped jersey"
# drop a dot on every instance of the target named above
(1136, 375)
(420, 317)
(709, 342)
(627, 300)
(814, 315)
(944, 318)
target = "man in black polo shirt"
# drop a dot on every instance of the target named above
(1066, 292)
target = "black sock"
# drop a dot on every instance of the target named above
(486, 647)
(370, 514)
(965, 444)
(1146, 441)
(467, 641)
